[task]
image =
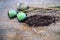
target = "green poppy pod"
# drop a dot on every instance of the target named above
(21, 16)
(12, 13)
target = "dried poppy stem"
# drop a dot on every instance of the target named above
(35, 8)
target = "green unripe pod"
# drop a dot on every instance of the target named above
(22, 6)
(21, 16)
(12, 13)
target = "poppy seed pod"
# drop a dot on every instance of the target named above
(21, 16)
(12, 13)
(22, 6)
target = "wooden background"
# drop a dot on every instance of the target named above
(11, 28)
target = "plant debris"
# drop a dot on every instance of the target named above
(40, 20)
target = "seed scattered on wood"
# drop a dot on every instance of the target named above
(40, 20)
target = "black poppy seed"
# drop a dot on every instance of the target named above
(40, 20)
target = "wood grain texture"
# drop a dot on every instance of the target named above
(11, 29)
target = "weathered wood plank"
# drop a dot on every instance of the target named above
(13, 30)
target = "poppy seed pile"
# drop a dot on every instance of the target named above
(40, 20)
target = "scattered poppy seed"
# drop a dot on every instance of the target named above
(40, 20)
